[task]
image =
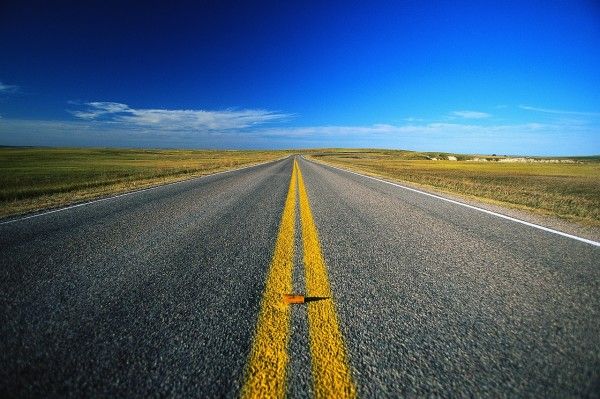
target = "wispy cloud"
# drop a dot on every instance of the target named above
(426, 131)
(558, 111)
(471, 114)
(98, 109)
(525, 139)
(169, 119)
(102, 125)
(4, 88)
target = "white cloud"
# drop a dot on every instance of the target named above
(556, 138)
(524, 138)
(471, 114)
(420, 130)
(97, 109)
(177, 119)
(558, 111)
(4, 88)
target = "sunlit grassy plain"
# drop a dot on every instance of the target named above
(568, 190)
(38, 178)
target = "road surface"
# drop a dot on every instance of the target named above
(177, 291)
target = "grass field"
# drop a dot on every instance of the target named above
(38, 178)
(568, 190)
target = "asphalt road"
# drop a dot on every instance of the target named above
(158, 293)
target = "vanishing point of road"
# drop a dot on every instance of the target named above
(185, 291)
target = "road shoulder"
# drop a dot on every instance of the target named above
(552, 222)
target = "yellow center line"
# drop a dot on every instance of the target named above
(268, 359)
(331, 372)
(266, 369)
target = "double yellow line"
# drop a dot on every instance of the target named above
(268, 361)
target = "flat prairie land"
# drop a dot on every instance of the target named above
(568, 188)
(39, 178)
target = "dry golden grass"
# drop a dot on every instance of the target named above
(567, 190)
(39, 178)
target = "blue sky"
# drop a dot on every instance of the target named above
(479, 77)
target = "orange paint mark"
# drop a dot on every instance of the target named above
(293, 298)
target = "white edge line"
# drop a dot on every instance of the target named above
(136, 192)
(537, 226)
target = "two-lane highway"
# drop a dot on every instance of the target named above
(164, 292)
